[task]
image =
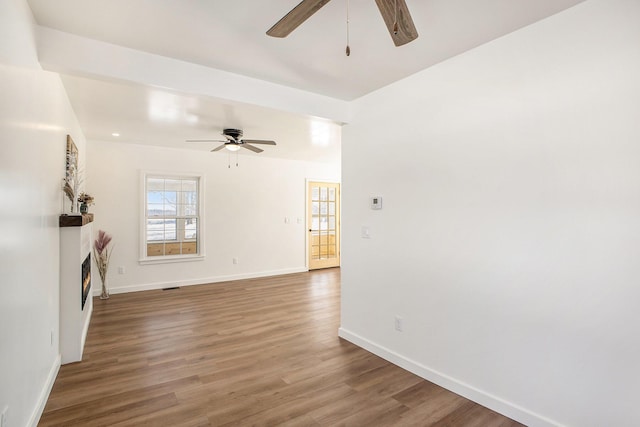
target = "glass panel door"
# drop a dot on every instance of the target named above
(324, 223)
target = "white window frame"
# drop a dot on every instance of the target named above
(162, 259)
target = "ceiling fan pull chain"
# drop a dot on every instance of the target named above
(236, 159)
(348, 49)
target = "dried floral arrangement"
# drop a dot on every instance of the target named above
(102, 254)
(85, 198)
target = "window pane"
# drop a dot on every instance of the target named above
(315, 193)
(155, 230)
(161, 229)
(189, 185)
(323, 239)
(315, 252)
(190, 210)
(170, 206)
(170, 197)
(323, 193)
(190, 228)
(332, 208)
(154, 209)
(332, 194)
(154, 197)
(323, 223)
(170, 232)
(172, 185)
(155, 184)
(190, 197)
(170, 210)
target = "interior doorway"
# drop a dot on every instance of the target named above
(323, 219)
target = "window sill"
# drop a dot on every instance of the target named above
(170, 259)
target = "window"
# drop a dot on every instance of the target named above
(172, 223)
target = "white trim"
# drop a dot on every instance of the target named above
(201, 281)
(170, 259)
(481, 397)
(45, 392)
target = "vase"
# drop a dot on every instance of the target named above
(105, 292)
(84, 208)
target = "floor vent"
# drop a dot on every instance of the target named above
(170, 289)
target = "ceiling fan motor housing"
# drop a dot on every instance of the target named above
(233, 133)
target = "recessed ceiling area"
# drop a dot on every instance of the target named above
(230, 37)
(153, 116)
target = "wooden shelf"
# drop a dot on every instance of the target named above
(75, 220)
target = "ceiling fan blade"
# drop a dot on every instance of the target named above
(252, 148)
(259, 141)
(218, 148)
(205, 140)
(295, 17)
(405, 31)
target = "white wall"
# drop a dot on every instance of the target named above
(35, 117)
(245, 210)
(509, 235)
(17, 33)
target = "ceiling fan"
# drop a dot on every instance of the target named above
(233, 141)
(394, 12)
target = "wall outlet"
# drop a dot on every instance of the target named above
(235, 260)
(3, 417)
(121, 270)
(399, 323)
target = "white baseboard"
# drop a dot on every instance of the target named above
(44, 394)
(494, 403)
(200, 281)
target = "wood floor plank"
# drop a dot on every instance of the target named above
(250, 352)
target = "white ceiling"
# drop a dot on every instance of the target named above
(151, 116)
(230, 36)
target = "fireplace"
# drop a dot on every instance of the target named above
(76, 304)
(86, 279)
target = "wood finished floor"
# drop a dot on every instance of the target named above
(250, 352)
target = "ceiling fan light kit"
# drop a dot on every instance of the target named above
(395, 14)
